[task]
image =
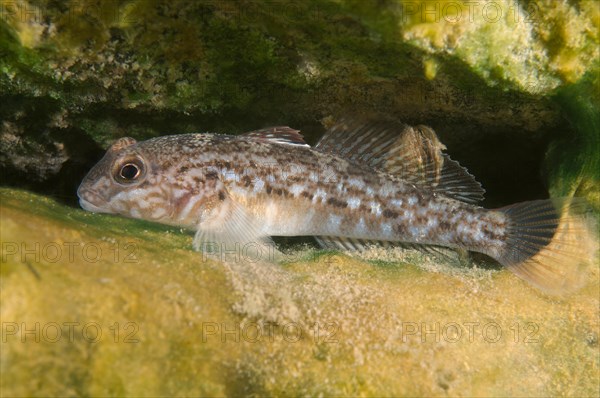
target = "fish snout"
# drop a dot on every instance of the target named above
(90, 200)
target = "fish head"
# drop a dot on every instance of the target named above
(125, 182)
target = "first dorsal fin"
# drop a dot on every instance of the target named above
(413, 154)
(279, 135)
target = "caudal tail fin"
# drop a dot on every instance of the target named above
(548, 244)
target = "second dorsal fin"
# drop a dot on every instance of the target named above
(279, 135)
(413, 154)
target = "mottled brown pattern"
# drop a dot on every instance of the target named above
(387, 213)
(296, 190)
(337, 203)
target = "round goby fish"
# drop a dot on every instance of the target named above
(361, 184)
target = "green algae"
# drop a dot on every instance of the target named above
(573, 162)
(175, 323)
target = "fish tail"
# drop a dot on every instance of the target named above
(549, 243)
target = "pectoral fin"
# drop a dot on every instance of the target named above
(226, 226)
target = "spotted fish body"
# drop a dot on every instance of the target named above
(392, 186)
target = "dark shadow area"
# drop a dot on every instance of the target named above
(507, 163)
(83, 153)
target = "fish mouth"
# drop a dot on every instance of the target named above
(88, 206)
(85, 201)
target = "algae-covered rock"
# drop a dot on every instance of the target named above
(101, 305)
(535, 46)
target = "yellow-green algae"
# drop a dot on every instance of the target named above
(534, 45)
(548, 345)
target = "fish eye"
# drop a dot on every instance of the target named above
(129, 171)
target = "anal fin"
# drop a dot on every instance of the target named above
(350, 244)
(446, 254)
